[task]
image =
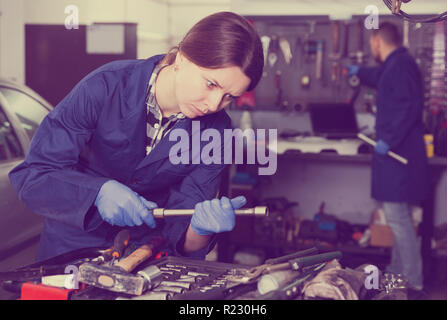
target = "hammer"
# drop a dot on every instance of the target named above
(118, 278)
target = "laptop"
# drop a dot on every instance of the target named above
(333, 120)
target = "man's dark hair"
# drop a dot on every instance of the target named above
(389, 33)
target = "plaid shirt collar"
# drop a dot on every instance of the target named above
(157, 126)
(151, 101)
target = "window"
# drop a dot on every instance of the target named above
(29, 111)
(9, 144)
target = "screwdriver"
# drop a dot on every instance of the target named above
(120, 243)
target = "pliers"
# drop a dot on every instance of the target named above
(295, 261)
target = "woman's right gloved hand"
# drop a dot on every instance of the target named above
(215, 216)
(120, 206)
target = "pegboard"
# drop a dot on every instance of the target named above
(281, 87)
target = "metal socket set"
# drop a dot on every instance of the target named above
(177, 278)
(180, 276)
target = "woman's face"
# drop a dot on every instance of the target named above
(201, 91)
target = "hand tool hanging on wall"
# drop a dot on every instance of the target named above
(357, 56)
(310, 50)
(319, 62)
(308, 55)
(346, 40)
(298, 60)
(265, 40)
(285, 49)
(313, 52)
(360, 54)
(273, 51)
(336, 53)
(297, 54)
(335, 56)
(406, 34)
(279, 101)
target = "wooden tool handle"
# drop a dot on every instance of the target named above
(141, 254)
(390, 153)
(397, 157)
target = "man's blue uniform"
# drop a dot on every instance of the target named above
(400, 102)
(399, 124)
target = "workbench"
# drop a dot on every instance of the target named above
(293, 181)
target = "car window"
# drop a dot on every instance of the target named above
(9, 144)
(29, 111)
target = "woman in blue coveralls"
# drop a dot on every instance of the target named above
(400, 128)
(100, 161)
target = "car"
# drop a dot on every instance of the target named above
(21, 112)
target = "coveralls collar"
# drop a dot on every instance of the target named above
(393, 54)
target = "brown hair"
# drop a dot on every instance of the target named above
(389, 33)
(223, 39)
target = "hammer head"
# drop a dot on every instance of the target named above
(111, 278)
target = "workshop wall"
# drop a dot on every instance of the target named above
(319, 48)
(160, 23)
(12, 40)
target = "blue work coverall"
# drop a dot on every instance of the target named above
(399, 122)
(97, 133)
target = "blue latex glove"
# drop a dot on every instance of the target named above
(381, 147)
(352, 69)
(214, 216)
(119, 205)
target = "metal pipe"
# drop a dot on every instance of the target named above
(260, 211)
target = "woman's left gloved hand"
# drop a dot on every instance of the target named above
(215, 216)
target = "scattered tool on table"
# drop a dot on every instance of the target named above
(295, 261)
(118, 278)
(120, 243)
